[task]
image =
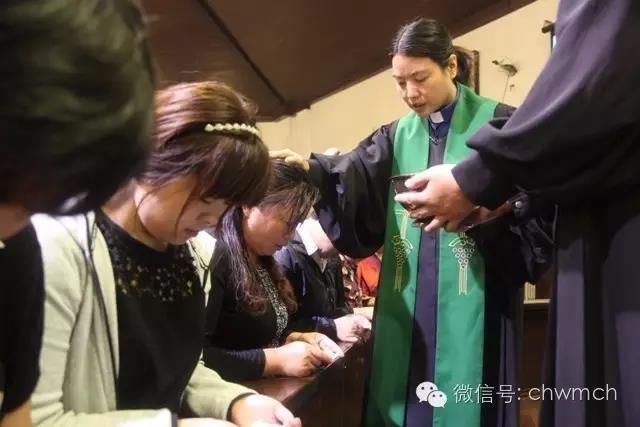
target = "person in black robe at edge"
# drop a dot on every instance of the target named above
(249, 331)
(353, 209)
(314, 269)
(575, 141)
(77, 90)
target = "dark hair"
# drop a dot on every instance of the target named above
(290, 186)
(231, 164)
(464, 60)
(76, 82)
(424, 37)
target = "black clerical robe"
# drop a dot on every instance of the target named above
(354, 193)
(576, 141)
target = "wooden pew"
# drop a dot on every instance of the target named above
(331, 397)
(334, 396)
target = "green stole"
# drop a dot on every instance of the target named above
(460, 305)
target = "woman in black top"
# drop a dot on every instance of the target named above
(77, 91)
(248, 334)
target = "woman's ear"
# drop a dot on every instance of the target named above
(452, 66)
(246, 211)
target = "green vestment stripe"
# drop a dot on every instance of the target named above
(460, 327)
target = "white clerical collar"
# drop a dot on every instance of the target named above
(309, 245)
(306, 238)
(436, 117)
(1, 244)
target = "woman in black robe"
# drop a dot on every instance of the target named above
(353, 211)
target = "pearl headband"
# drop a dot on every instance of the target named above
(232, 127)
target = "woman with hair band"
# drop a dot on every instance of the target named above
(126, 284)
(449, 303)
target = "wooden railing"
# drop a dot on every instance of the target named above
(332, 397)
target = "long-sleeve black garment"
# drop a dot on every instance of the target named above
(234, 339)
(21, 317)
(354, 188)
(576, 141)
(354, 191)
(575, 135)
(320, 293)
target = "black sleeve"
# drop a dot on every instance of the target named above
(235, 365)
(230, 364)
(342, 308)
(519, 245)
(353, 193)
(576, 135)
(22, 307)
(534, 224)
(296, 277)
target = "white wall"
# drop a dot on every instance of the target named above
(517, 39)
(343, 119)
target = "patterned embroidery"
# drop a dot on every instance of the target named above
(402, 247)
(282, 315)
(463, 249)
(140, 270)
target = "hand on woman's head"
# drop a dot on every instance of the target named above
(290, 157)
